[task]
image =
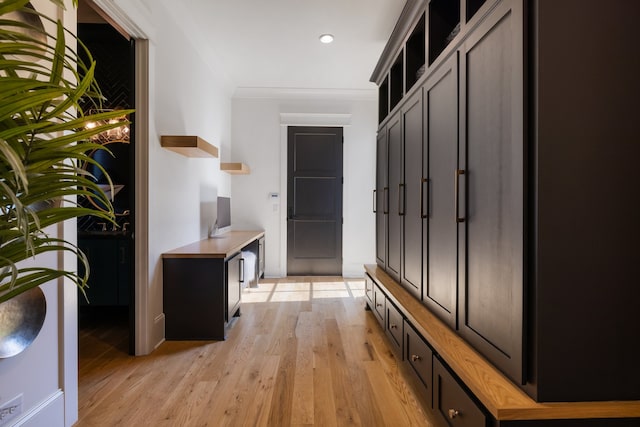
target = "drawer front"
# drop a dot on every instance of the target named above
(368, 289)
(451, 401)
(394, 324)
(419, 355)
(379, 300)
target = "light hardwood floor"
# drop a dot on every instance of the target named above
(303, 353)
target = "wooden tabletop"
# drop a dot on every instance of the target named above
(221, 246)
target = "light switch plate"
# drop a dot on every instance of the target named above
(10, 410)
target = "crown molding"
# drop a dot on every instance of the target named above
(299, 93)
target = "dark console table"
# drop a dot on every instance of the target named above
(203, 285)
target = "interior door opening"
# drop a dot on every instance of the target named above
(109, 310)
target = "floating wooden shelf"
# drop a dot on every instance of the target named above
(190, 146)
(235, 168)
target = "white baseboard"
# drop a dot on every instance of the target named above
(49, 413)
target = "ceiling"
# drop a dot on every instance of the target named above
(274, 43)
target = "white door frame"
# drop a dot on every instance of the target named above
(135, 28)
(300, 119)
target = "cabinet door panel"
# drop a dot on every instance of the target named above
(441, 129)
(452, 403)
(102, 254)
(381, 198)
(491, 274)
(420, 357)
(395, 180)
(124, 271)
(379, 305)
(412, 220)
(234, 274)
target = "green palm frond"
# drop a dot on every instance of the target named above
(44, 143)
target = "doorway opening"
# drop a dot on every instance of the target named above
(314, 201)
(109, 307)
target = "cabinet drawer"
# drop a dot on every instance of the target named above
(379, 300)
(368, 290)
(394, 326)
(419, 356)
(451, 401)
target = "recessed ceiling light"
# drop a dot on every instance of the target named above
(326, 38)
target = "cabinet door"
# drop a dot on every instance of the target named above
(234, 276)
(124, 271)
(261, 255)
(441, 160)
(394, 236)
(381, 199)
(368, 289)
(412, 218)
(102, 254)
(379, 305)
(451, 402)
(491, 188)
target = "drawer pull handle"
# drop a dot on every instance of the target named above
(415, 357)
(375, 201)
(453, 413)
(392, 326)
(378, 305)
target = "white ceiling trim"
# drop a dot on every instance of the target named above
(134, 19)
(314, 119)
(295, 93)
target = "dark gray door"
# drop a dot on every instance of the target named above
(314, 201)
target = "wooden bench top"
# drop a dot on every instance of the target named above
(502, 398)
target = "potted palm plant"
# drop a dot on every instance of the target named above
(44, 140)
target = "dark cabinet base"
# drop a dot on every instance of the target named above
(194, 299)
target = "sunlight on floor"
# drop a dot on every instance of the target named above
(303, 290)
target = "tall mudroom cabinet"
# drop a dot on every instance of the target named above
(507, 204)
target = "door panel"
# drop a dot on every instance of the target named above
(394, 235)
(492, 233)
(412, 219)
(441, 128)
(314, 205)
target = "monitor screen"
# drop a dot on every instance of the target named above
(224, 212)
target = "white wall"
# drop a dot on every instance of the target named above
(186, 98)
(259, 121)
(45, 374)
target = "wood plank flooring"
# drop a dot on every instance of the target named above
(304, 353)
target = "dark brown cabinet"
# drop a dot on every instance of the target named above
(202, 285)
(234, 271)
(525, 188)
(379, 305)
(451, 402)
(419, 357)
(394, 323)
(368, 290)
(110, 260)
